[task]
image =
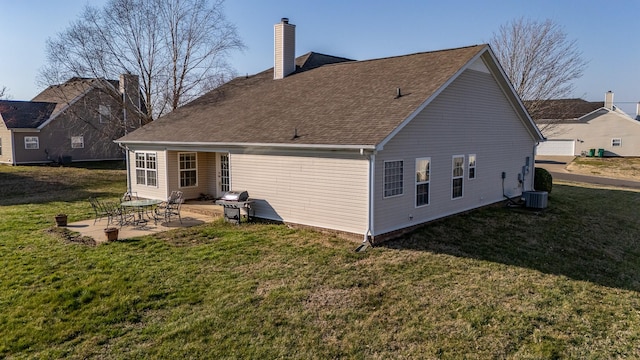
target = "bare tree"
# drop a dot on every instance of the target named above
(539, 59)
(4, 95)
(179, 48)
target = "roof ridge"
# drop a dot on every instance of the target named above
(412, 54)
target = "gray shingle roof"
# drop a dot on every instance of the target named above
(345, 103)
(561, 109)
(68, 91)
(25, 114)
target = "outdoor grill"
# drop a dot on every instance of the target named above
(237, 206)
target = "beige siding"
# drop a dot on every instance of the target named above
(150, 192)
(597, 131)
(205, 163)
(316, 191)
(471, 116)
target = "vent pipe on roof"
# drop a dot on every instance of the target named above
(608, 100)
(284, 53)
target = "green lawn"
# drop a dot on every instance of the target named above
(494, 283)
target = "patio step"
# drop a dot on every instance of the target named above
(203, 207)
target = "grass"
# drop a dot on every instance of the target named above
(493, 283)
(624, 168)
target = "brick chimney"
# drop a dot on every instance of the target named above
(130, 90)
(284, 49)
(608, 100)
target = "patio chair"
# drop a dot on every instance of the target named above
(129, 195)
(128, 214)
(105, 209)
(171, 207)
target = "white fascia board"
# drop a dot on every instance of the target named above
(191, 145)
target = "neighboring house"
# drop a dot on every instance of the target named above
(578, 127)
(74, 121)
(371, 147)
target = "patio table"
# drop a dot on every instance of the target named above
(141, 207)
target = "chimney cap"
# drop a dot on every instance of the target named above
(284, 20)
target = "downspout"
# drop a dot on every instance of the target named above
(365, 241)
(126, 159)
(533, 166)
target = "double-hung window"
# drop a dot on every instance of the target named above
(146, 169)
(393, 178)
(31, 142)
(472, 166)
(616, 142)
(423, 174)
(457, 176)
(188, 169)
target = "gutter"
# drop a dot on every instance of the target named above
(245, 145)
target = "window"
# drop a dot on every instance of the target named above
(31, 142)
(77, 142)
(423, 172)
(188, 169)
(616, 142)
(146, 169)
(472, 166)
(104, 111)
(393, 178)
(457, 176)
(0, 146)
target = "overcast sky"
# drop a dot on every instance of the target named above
(607, 33)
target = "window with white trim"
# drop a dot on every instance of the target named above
(104, 111)
(31, 142)
(457, 176)
(472, 166)
(616, 142)
(188, 169)
(77, 142)
(393, 178)
(146, 168)
(423, 174)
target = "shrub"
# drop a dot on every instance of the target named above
(543, 181)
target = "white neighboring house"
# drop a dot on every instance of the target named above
(577, 127)
(373, 148)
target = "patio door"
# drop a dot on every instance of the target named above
(224, 180)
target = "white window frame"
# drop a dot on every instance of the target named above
(146, 168)
(457, 176)
(182, 171)
(422, 180)
(616, 142)
(31, 142)
(390, 179)
(472, 166)
(77, 142)
(104, 112)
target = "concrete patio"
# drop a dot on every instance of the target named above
(193, 213)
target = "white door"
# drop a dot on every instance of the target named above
(223, 174)
(556, 147)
